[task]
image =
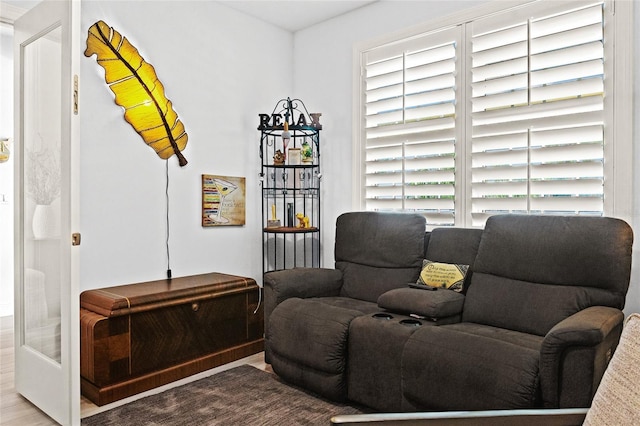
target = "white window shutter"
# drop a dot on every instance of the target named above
(537, 98)
(411, 99)
(509, 111)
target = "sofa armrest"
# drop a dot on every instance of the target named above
(585, 340)
(299, 282)
(434, 304)
(304, 282)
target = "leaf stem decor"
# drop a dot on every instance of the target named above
(137, 89)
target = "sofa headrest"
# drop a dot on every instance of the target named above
(563, 250)
(532, 272)
(454, 245)
(384, 240)
(377, 252)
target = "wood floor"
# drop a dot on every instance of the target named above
(15, 410)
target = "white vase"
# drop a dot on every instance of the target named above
(46, 221)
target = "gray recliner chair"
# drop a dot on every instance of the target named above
(541, 319)
(308, 311)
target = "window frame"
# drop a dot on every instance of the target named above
(618, 165)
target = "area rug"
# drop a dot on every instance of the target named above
(243, 395)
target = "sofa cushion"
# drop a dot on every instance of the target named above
(525, 306)
(531, 272)
(526, 340)
(365, 282)
(454, 368)
(378, 251)
(311, 332)
(362, 306)
(431, 304)
(308, 341)
(443, 275)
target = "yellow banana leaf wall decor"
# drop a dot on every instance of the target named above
(138, 90)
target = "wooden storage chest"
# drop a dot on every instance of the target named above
(139, 336)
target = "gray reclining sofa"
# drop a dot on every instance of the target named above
(535, 324)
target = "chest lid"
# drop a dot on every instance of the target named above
(139, 297)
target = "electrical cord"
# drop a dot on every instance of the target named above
(167, 240)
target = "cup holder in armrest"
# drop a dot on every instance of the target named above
(382, 315)
(411, 322)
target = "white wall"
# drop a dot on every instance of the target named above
(323, 78)
(220, 68)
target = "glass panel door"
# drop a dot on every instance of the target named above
(47, 352)
(41, 209)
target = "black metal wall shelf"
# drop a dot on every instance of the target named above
(290, 178)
